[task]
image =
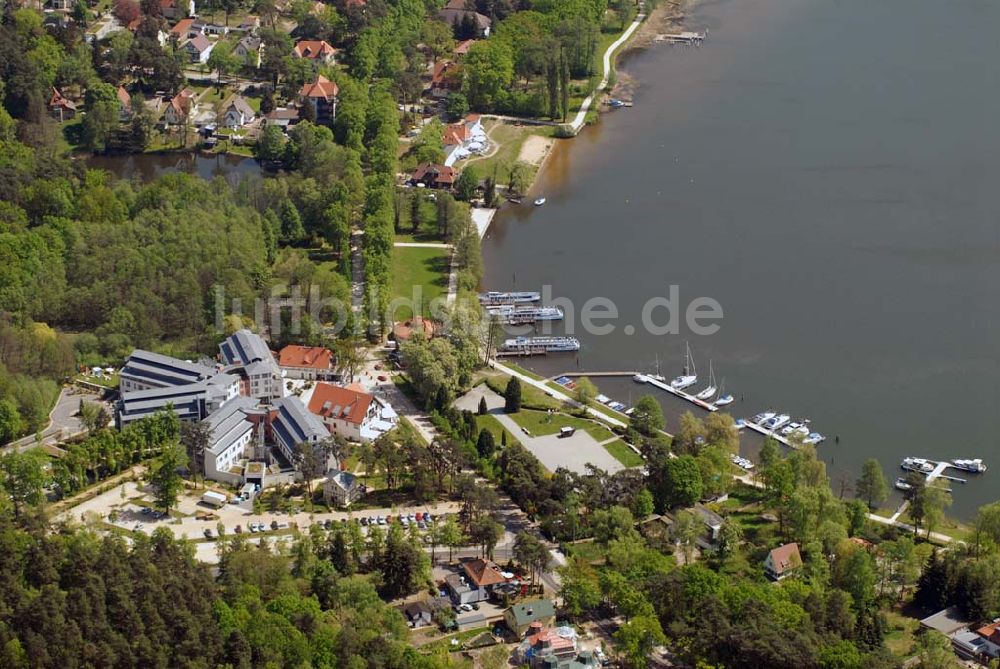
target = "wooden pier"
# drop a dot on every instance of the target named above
(685, 37)
(592, 374)
(707, 406)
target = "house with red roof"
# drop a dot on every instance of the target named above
(430, 175)
(179, 107)
(352, 414)
(321, 93)
(313, 363)
(462, 48)
(124, 104)
(782, 561)
(198, 48)
(446, 77)
(317, 50)
(61, 108)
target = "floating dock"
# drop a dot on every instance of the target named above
(685, 37)
(707, 406)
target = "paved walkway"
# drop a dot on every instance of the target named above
(63, 420)
(551, 392)
(422, 245)
(581, 116)
(357, 272)
(573, 453)
(482, 217)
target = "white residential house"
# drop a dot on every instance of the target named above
(352, 414)
(250, 49)
(248, 355)
(341, 488)
(179, 107)
(198, 48)
(232, 429)
(782, 561)
(237, 112)
(312, 363)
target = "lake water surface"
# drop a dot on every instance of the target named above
(829, 172)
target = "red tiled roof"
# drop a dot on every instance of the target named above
(57, 100)
(440, 174)
(483, 572)
(330, 401)
(181, 27)
(990, 632)
(455, 134)
(321, 88)
(312, 357)
(314, 49)
(463, 47)
(786, 557)
(404, 330)
(123, 97)
(442, 70)
(546, 637)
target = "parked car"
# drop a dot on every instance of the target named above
(208, 532)
(274, 525)
(252, 527)
(364, 521)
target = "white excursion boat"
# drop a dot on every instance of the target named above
(710, 391)
(547, 344)
(976, 466)
(539, 202)
(496, 297)
(510, 314)
(690, 375)
(903, 484)
(917, 465)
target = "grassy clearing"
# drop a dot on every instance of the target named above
(444, 644)
(510, 139)
(540, 423)
(901, 638)
(590, 551)
(621, 452)
(531, 397)
(490, 423)
(424, 267)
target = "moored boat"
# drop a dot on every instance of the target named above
(690, 375)
(547, 344)
(976, 466)
(497, 297)
(539, 202)
(708, 392)
(917, 465)
(903, 484)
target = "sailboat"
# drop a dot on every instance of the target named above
(710, 390)
(690, 375)
(724, 398)
(658, 377)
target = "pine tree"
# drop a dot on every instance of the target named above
(512, 396)
(483, 409)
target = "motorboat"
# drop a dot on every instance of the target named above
(776, 422)
(792, 427)
(917, 465)
(690, 375)
(539, 202)
(640, 378)
(976, 466)
(814, 438)
(762, 418)
(710, 391)
(903, 484)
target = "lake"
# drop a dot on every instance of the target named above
(828, 173)
(147, 166)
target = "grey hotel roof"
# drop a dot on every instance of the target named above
(244, 347)
(227, 423)
(162, 370)
(294, 424)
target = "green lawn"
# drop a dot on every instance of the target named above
(531, 397)
(423, 267)
(901, 637)
(541, 423)
(589, 551)
(490, 423)
(510, 139)
(623, 454)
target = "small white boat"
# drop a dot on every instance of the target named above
(539, 202)
(690, 375)
(724, 398)
(903, 484)
(814, 438)
(792, 427)
(640, 378)
(975, 466)
(708, 392)
(762, 418)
